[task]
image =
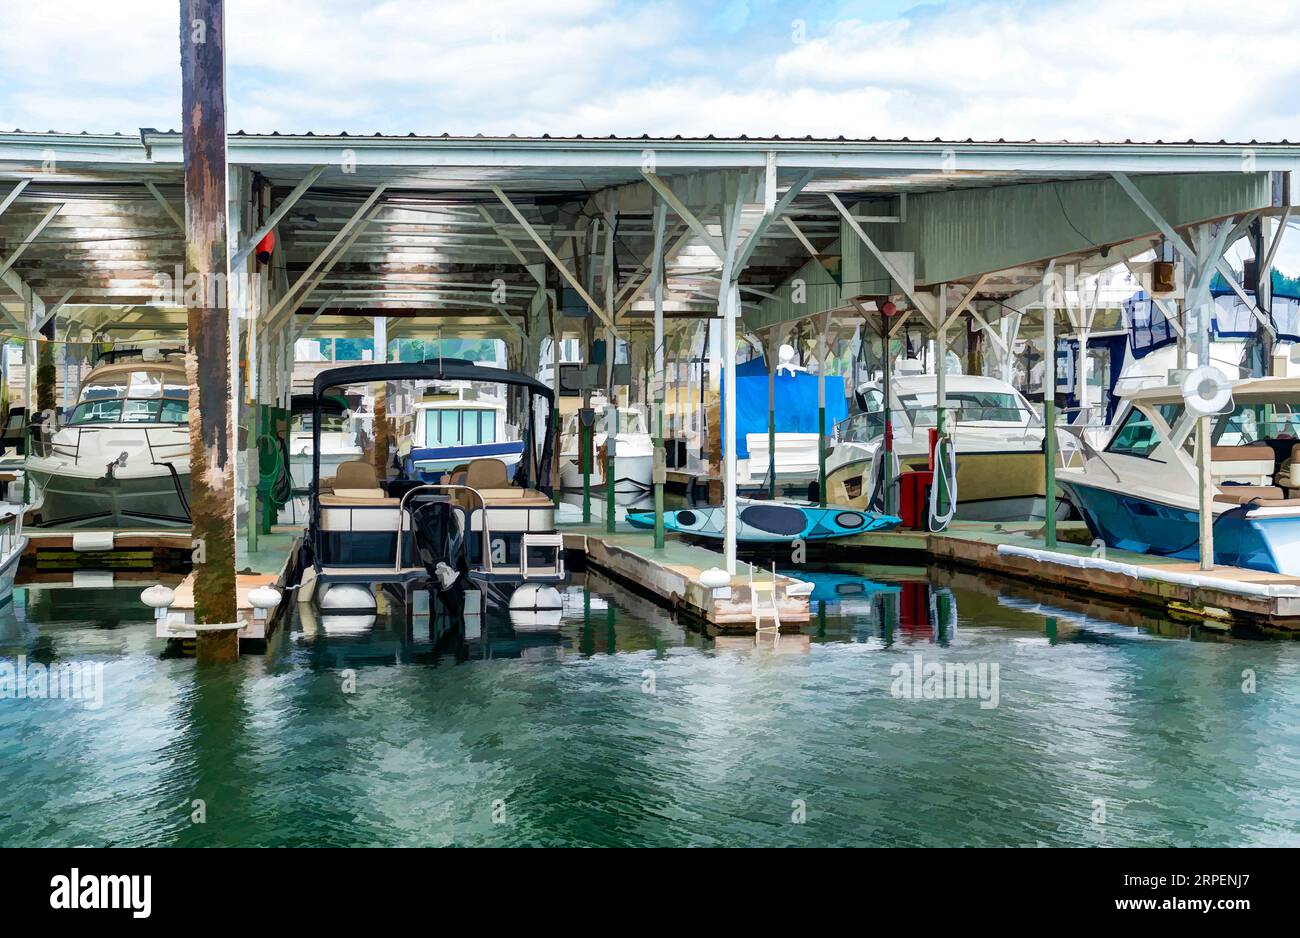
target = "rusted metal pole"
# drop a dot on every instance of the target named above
(207, 363)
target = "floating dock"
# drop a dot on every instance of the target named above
(672, 576)
(54, 549)
(273, 564)
(1180, 588)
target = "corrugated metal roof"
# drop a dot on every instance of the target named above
(742, 138)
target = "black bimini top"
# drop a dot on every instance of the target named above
(434, 369)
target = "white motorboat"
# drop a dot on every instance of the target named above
(997, 436)
(633, 453)
(13, 543)
(1141, 491)
(453, 427)
(123, 457)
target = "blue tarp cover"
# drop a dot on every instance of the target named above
(796, 402)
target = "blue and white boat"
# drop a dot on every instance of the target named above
(1141, 492)
(767, 522)
(452, 429)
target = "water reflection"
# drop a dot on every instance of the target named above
(622, 725)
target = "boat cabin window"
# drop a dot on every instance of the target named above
(964, 406)
(135, 397)
(1251, 423)
(457, 427)
(329, 423)
(1135, 437)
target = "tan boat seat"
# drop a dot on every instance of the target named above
(355, 479)
(1244, 494)
(1288, 474)
(513, 497)
(1240, 453)
(1251, 464)
(359, 498)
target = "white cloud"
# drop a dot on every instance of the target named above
(1076, 69)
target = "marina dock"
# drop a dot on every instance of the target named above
(672, 577)
(1225, 594)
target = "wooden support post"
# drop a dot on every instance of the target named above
(45, 370)
(207, 362)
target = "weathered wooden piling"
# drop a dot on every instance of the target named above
(207, 363)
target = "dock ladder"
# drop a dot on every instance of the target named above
(756, 609)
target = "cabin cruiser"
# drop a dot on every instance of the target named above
(124, 453)
(633, 453)
(997, 436)
(484, 526)
(1141, 492)
(453, 427)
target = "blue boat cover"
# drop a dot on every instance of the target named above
(1149, 329)
(796, 402)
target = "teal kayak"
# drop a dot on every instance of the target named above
(770, 521)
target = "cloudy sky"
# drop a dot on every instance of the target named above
(1050, 69)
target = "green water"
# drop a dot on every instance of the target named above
(553, 738)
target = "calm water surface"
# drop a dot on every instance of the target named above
(623, 727)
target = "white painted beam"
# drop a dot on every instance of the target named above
(177, 220)
(348, 227)
(281, 210)
(553, 258)
(31, 236)
(686, 215)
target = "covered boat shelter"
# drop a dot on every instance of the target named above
(672, 248)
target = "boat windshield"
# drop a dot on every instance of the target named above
(133, 397)
(456, 426)
(965, 407)
(1253, 422)
(860, 428)
(329, 423)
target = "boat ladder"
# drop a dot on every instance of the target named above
(756, 609)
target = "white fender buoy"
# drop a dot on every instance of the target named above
(352, 597)
(536, 605)
(264, 597)
(158, 596)
(715, 578)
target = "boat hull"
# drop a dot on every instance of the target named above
(429, 464)
(991, 486)
(633, 482)
(134, 500)
(9, 562)
(1124, 521)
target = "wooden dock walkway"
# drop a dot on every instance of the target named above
(1173, 587)
(673, 577)
(273, 564)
